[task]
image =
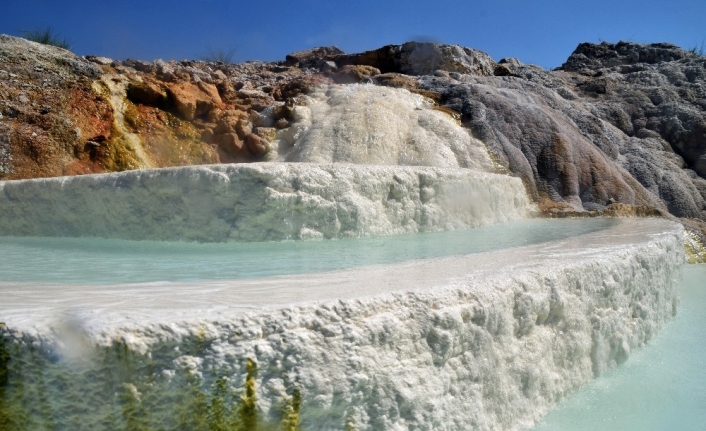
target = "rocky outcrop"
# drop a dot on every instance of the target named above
(632, 133)
(648, 91)
(422, 58)
(194, 100)
(617, 123)
(588, 57)
(312, 57)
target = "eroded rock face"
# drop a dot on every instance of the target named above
(312, 57)
(623, 134)
(617, 123)
(194, 100)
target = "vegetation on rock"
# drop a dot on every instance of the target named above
(218, 55)
(136, 392)
(46, 37)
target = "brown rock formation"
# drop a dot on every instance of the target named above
(194, 100)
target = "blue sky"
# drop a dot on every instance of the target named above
(542, 32)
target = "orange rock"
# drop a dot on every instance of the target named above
(397, 80)
(257, 145)
(230, 143)
(224, 125)
(194, 100)
(243, 127)
(227, 121)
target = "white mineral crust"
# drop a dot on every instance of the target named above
(260, 201)
(368, 124)
(486, 342)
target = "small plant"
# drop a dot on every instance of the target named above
(218, 55)
(46, 37)
(698, 49)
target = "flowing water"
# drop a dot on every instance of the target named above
(662, 386)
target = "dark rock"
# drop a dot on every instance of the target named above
(503, 70)
(309, 58)
(511, 62)
(146, 93)
(594, 56)
(422, 58)
(256, 144)
(142, 66)
(327, 66)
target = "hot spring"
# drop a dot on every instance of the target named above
(424, 298)
(488, 327)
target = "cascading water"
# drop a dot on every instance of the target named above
(482, 341)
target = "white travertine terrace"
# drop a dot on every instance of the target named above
(260, 202)
(488, 341)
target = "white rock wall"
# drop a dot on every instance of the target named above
(257, 202)
(492, 349)
(483, 353)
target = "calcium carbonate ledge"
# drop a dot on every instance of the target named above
(260, 202)
(486, 342)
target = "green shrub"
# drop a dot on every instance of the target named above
(218, 55)
(46, 37)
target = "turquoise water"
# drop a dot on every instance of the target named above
(662, 387)
(105, 261)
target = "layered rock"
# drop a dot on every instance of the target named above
(422, 58)
(620, 123)
(575, 142)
